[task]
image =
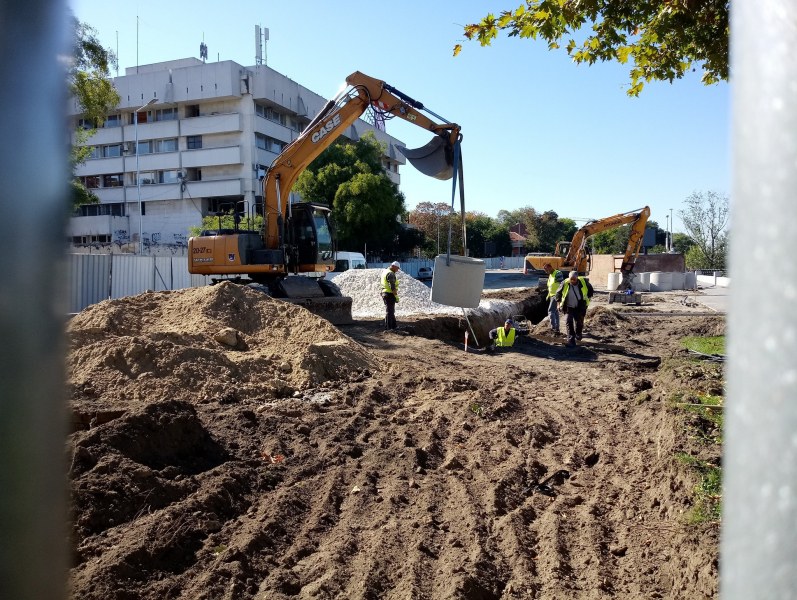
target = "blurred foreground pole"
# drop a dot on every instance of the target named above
(33, 176)
(759, 530)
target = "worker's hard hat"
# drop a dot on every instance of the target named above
(509, 322)
(572, 274)
(395, 264)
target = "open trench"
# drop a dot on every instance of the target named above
(451, 328)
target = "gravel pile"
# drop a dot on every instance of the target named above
(364, 286)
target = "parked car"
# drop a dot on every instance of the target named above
(425, 273)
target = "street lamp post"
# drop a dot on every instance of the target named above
(672, 226)
(138, 178)
(667, 235)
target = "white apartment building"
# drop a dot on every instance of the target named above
(206, 132)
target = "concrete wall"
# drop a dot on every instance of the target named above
(603, 264)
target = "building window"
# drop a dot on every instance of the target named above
(91, 182)
(113, 180)
(113, 121)
(112, 150)
(143, 117)
(265, 142)
(168, 176)
(85, 124)
(115, 209)
(166, 114)
(167, 145)
(193, 142)
(147, 178)
(192, 110)
(82, 240)
(145, 147)
(96, 152)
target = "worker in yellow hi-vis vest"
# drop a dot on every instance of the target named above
(503, 337)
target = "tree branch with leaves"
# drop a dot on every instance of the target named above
(662, 39)
(88, 82)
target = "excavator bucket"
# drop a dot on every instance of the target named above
(435, 159)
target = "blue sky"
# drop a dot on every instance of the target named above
(537, 129)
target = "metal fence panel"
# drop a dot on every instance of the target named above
(131, 275)
(89, 279)
(163, 273)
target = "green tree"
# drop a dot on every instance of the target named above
(662, 39)
(432, 221)
(705, 218)
(682, 242)
(366, 204)
(88, 81)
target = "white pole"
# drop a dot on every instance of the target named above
(138, 180)
(759, 510)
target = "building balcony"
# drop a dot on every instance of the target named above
(110, 194)
(156, 191)
(101, 166)
(160, 161)
(151, 131)
(208, 124)
(208, 157)
(215, 187)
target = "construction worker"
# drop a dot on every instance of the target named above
(555, 278)
(503, 337)
(390, 294)
(574, 297)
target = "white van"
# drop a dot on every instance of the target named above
(349, 260)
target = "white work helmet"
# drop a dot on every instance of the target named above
(395, 264)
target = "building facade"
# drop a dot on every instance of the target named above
(190, 139)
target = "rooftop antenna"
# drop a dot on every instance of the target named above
(261, 47)
(203, 49)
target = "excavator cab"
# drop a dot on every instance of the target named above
(310, 239)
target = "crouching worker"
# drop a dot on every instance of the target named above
(503, 337)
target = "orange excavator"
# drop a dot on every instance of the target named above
(575, 256)
(297, 238)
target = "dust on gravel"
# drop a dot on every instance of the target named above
(307, 461)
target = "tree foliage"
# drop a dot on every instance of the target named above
(432, 221)
(662, 39)
(88, 81)
(705, 218)
(543, 230)
(366, 204)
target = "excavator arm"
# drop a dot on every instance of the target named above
(578, 246)
(434, 159)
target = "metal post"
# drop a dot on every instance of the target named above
(759, 545)
(33, 300)
(138, 179)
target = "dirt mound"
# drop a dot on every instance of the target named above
(291, 461)
(226, 343)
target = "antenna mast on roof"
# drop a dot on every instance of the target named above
(203, 49)
(261, 45)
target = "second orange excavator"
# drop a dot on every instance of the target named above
(575, 255)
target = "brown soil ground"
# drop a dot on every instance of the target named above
(306, 461)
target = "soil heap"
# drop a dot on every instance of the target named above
(203, 344)
(237, 447)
